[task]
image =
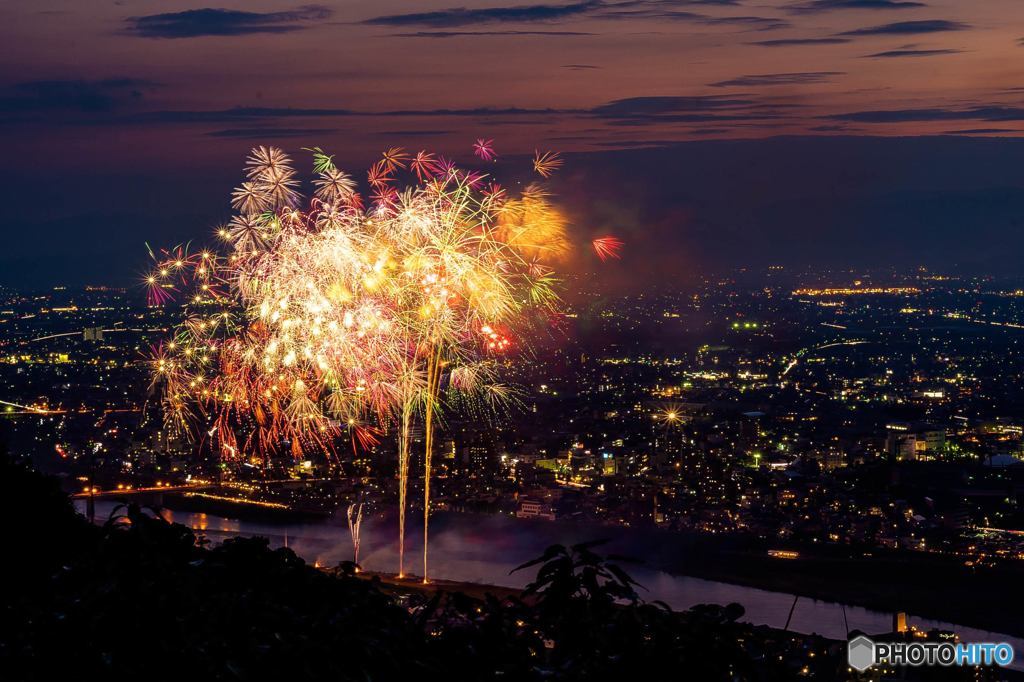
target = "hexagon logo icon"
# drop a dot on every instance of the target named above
(860, 653)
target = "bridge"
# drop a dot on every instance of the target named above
(17, 408)
(96, 493)
(152, 495)
(78, 332)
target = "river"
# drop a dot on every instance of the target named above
(485, 548)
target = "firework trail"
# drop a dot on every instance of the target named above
(355, 522)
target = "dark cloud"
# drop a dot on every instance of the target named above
(758, 23)
(633, 110)
(459, 34)
(980, 131)
(269, 133)
(914, 53)
(989, 113)
(779, 79)
(795, 42)
(210, 21)
(655, 106)
(642, 111)
(240, 114)
(462, 16)
(909, 28)
(625, 112)
(456, 17)
(814, 6)
(651, 10)
(629, 111)
(660, 11)
(74, 95)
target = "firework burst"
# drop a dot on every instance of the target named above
(607, 247)
(547, 163)
(485, 149)
(340, 314)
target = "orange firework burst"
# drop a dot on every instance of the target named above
(547, 163)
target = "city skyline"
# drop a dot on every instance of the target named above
(808, 418)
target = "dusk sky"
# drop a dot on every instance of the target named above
(709, 133)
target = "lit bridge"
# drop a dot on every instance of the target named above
(117, 493)
(16, 408)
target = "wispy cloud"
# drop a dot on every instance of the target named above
(653, 106)
(987, 113)
(980, 131)
(633, 111)
(756, 23)
(640, 111)
(795, 42)
(211, 21)
(913, 53)
(608, 10)
(778, 79)
(463, 16)
(460, 34)
(815, 6)
(909, 28)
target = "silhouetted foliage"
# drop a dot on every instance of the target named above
(40, 521)
(140, 599)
